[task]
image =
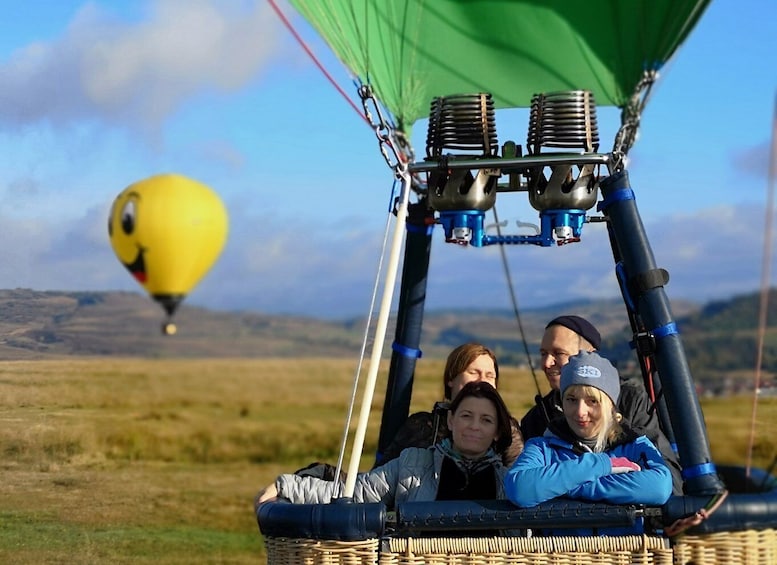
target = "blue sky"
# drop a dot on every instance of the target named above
(97, 95)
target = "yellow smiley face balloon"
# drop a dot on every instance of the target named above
(168, 230)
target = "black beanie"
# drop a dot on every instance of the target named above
(580, 326)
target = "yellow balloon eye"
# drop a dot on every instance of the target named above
(128, 217)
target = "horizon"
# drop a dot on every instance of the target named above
(556, 308)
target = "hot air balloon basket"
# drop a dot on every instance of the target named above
(751, 547)
(536, 550)
(289, 551)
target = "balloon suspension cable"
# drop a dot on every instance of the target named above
(365, 341)
(380, 332)
(394, 144)
(514, 301)
(630, 118)
(765, 271)
(315, 59)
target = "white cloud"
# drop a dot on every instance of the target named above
(271, 265)
(332, 274)
(138, 74)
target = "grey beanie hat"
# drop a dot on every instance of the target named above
(591, 369)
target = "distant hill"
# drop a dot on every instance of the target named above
(37, 324)
(719, 336)
(43, 324)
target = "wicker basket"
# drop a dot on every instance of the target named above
(559, 550)
(623, 550)
(749, 547)
(289, 551)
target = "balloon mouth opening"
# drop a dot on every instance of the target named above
(138, 267)
(169, 302)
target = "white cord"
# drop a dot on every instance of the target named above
(380, 335)
(365, 339)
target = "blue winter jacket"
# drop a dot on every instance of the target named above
(551, 467)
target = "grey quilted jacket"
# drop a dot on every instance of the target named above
(413, 476)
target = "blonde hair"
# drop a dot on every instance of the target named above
(610, 427)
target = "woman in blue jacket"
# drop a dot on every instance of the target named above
(588, 455)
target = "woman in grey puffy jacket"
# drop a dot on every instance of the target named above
(465, 466)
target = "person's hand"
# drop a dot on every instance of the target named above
(623, 465)
(267, 494)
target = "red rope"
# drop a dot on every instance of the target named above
(649, 372)
(312, 56)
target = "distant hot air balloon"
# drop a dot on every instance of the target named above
(168, 230)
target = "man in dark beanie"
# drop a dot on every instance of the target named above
(566, 336)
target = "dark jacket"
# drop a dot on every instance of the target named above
(636, 408)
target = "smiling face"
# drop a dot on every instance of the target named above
(167, 230)
(473, 426)
(558, 344)
(585, 410)
(123, 231)
(482, 369)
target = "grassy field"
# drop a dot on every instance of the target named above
(157, 461)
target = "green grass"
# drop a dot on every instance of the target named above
(140, 461)
(26, 538)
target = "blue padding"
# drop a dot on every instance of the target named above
(738, 512)
(335, 521)
(620, 274)
(406, 351)
(615, 196)
(663, 331)
(415, 228)
(502, 514)
(698, 470)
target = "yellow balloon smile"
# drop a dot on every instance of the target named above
(138, 267)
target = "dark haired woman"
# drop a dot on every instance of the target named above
(469, 362)
(465, 466)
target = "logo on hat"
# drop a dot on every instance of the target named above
(588, 372)
(593, 370)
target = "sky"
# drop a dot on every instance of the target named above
(95, 96)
